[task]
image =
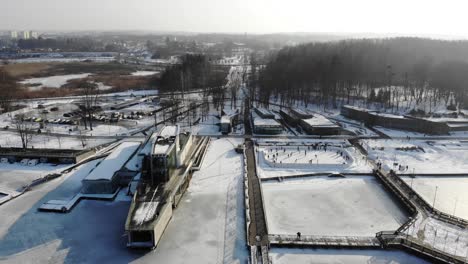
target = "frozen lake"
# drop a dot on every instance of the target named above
(323, 256)
(351, 206)
(452, 195)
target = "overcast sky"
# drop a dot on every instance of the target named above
(447, 17)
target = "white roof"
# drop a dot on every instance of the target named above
(389, 115)
(225, 119)
(258, 121)
(161, 149)
(320, 121)
(168, 131)
(112, 163)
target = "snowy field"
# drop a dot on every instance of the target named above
(421, 157)
(208, 226)
(395, 133)
(351, 206)
(275, 159)
(12, 139)
(52, 81)
(325, 256)
(16, 176)
(144, 73)
(451, 197)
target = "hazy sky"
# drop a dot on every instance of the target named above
(447, 17)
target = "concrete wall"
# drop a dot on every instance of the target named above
(100, 186)
(165, 216)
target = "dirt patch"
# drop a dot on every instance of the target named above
(22, 70)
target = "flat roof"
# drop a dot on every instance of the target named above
(168, 131)
(112, 163)
(388, 115)
(258, 121)
(319, 121)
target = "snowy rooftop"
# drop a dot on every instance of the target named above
(161, 148)
(389, 115)
(168, 131)
(320, 120)
(106, 169)
(258, 121)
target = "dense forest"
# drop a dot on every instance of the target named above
(195, 72)
(393, 72)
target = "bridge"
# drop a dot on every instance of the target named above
(324, 241)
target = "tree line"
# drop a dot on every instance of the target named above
(397, 73)
(195, 72)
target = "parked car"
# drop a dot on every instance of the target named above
(33, 162)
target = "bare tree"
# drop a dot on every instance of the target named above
(83, 139)
(24, 130)
(89, 106)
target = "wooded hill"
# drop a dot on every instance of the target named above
(423, 69)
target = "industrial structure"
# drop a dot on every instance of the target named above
(164, 178)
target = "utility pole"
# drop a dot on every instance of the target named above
(435, 196)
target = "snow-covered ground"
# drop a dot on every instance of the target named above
(92, 232)
(395, 133)
(424, 157)
(15, 176)
(340, 157)
(12, 139)
(208, 226)
(351, 206)
(451, 196)
(329, 256)
(144, 73)
(440, 235)
(52, 81)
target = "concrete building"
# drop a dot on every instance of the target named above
(228, 121)
(374, 118)
(319, 125)
(264, 113)
(103, 179)
(164, 178)
(14, 34)
(25, 35)
(266, 126)
(33, 34)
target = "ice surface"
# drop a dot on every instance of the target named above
(351, 206)
(328, 256)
